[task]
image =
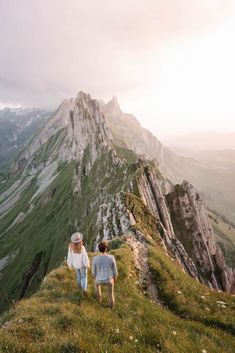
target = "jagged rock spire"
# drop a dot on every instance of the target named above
(77, 123)
(112, 107)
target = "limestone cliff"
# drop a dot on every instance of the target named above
(152, 195)
(193, 228)
(77, 123)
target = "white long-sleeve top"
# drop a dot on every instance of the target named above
(76, 260)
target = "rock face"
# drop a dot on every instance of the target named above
(194, 229)
(127, 131)
(77, 123)
(152, 195)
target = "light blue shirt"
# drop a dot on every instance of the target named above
(104, 268)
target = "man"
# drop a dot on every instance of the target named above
(104, 269)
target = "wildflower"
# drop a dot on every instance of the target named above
(204, 351)
(219, 302)
(131, 338)
(178, 291)
(174, 333)
(202, 297)
(117, 330)
(136, 340)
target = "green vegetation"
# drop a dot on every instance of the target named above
(146, 222)
(225, 236)
(40, 240)
(58, 319)
(42, 234)
(129, 155)
(189, 298)
(183, 234)
(43, 154)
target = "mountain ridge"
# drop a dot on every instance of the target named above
(59, 319)
(214, 183)
(71, 177)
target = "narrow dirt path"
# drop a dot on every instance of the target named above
(140, 250)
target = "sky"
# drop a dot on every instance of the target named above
(171, 63)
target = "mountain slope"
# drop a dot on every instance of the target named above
(53, 195)
(215, 184)
(225, 234)
(17, 126)
(71, 176)
(58, 319)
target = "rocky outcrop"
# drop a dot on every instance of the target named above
(76, 125)
(151, 193)
(194, 230)
(114, 219)
(127, 131)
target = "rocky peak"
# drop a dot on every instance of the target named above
(193, 228)
(112, 108)
(77, 124)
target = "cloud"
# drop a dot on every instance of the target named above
(50, 49)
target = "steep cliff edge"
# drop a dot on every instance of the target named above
(193, 228)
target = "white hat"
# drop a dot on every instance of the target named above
(76, 237)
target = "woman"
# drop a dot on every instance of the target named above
(78, 259)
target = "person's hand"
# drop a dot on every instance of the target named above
(114, 279)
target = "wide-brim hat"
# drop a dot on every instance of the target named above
(76, 237)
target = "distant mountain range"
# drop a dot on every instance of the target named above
(17, 127)
(215, 180)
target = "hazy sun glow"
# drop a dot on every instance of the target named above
(193, 84)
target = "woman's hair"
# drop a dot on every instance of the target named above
(76, 247)
(103, 246)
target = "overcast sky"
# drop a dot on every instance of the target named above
(170, 62)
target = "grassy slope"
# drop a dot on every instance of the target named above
(59, 320)
(216, 187)
(195, 301)
(225, 236)
(57, 213)
(189, 298)
(44, 230)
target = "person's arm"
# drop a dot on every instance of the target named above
(86, 261)
(93, 268)
(114, 268)
(69, 258)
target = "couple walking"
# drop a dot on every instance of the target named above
(104, 268)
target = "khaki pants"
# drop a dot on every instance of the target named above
(110, 290)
